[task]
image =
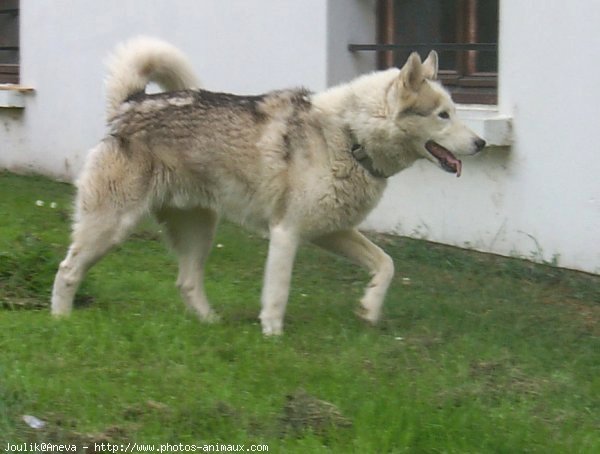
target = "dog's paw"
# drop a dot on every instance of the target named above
(368, 315)
(59, 312)
(272, 327)
(60, 316)
(210, 318)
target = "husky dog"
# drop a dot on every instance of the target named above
(300, 166)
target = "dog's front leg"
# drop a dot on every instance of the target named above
(356, 247)
(283, 245)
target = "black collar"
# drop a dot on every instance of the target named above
(358, 152)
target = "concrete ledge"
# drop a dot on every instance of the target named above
(491, 125)
(13, 96)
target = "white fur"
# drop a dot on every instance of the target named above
(141, 60)
(314, 191)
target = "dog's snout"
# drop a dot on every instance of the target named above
(479, 144)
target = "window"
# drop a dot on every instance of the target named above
(464, 32)
(9, 41)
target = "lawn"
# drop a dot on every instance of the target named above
(475, 353)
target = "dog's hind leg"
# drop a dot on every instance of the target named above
(357, 248)
(190, 233)
(283, 245)
(94, 234)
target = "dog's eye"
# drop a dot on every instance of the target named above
(444, 115)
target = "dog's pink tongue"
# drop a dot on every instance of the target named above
(447, 160)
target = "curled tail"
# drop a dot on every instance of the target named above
(141, 60)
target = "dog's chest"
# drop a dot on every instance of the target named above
(338, 202)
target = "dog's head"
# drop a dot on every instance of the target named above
(424, 116)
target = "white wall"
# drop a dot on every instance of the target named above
(240, 46)
(551, 85)
(541, 198)
(349, 22)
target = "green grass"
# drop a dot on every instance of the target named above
(475, 353)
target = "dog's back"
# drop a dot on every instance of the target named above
(226, 152)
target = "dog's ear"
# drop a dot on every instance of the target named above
(430, 66)
(411, 74)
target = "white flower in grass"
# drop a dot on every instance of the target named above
(39, 203)
(33, 422)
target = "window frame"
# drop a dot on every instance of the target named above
(9, 41)
(465, 83)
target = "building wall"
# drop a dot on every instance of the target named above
(239, 46)
(539, 198)
(349, 22)
(550, 85)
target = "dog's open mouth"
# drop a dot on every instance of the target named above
(447, 160)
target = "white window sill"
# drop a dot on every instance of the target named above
(486, 121)
(13, 96)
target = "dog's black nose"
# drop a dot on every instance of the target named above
(479, 144)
